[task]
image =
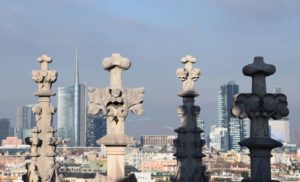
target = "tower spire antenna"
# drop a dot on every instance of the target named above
(76, 66)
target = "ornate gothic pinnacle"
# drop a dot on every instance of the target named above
(43, 143)
(189, 143)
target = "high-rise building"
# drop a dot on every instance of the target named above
(25, 121)
(225, 101)
(71, 112)
(4, 129)
(200, 124)
(280, 130)
(235, 136)
(20, 122)
(218, 138)
(246, 126)
(95, 128)
(236, 128)
(239, 130)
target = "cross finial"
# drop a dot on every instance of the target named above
(188, 75)
(115, 65)
(259, 70)
(44, 60)
(44, 77)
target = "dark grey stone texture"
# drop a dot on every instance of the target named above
(259, 107)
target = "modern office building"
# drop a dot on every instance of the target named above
(225, 101)
(280, 130)
(200, 124)
(246, 128)
(95, 128)
(218, 138)
(25, 121)
(237, 129)
(71, 112)
(4, 129)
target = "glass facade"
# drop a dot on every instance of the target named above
(237, 129)
(71, 114)
(95, 129)
(4, 129)
(25, 121)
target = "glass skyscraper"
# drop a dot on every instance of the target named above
(225, 101)
(4, 129)
(237, 129)
(71, 112)
(25, 121)
(200, 124)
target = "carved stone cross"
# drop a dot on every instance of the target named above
(260, 106)
(44, 60)
(115, 102)
(44, 77)
(188, 75)
(116, 65)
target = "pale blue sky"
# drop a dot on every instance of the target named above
(224, 35)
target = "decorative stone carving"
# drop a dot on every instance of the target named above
(44, 77)
(189, 144)
(34, 141)
(34, 173)
(37, 110)
(52, 143)
(188, 75)
(260, 106)
(43, 143)
(115, 102)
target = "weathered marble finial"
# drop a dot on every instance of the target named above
(44, 77)
(44, 60)
(259, 107)
(258, 70)
(43, 143)
(188, 75)
(189, 143)
(115, 102)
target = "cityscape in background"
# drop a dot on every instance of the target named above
(150, 158)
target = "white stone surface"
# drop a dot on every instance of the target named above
(115, 102)
(43, 143)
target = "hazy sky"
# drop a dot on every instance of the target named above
(224, 35)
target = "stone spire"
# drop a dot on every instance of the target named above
(259, 106)
(189, 143)
(115, 102)
(43, 143)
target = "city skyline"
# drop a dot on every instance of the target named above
(268, 29)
